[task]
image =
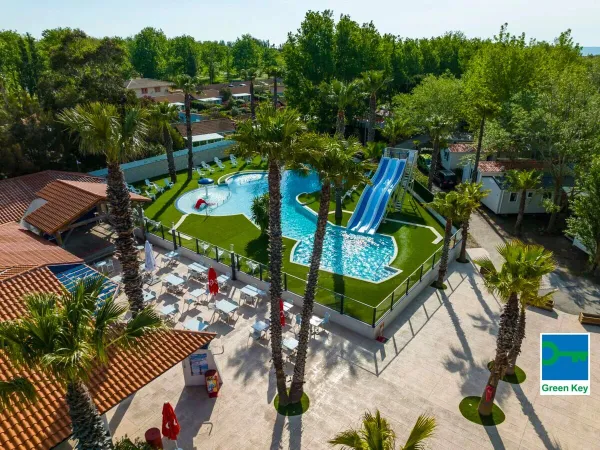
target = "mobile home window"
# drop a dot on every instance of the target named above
(529, 195)
(513, 196)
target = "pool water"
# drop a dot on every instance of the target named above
(344, 252)
(193, 117)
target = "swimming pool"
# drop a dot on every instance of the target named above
(193, 117)
(345, 252)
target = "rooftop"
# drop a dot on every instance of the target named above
(139, 83)
(498, 167)
(222, 125)
(461, 148)
(19, 192)
(206, 137)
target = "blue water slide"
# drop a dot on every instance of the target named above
(366, 195)
(372, 204)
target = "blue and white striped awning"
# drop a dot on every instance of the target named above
(70, 274)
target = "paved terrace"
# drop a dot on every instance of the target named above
(436, 355)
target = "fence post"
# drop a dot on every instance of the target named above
(174, 238)
(217, 253)
(433, 263)
(407, 285)
(342, 305)
(392, 303)
(238, 262)
(285, 281)
(197, 247)
(179, 235)
(260, 271)
(374, 316)
(162, 231)
(233, 275)
(421, 274)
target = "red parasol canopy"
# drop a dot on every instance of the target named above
(281, 313)
(170, 424)
(213, 286)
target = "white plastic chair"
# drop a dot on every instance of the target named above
(131, 188)
(249, 161)
(200, 172)
(206, 167)
(168, 183)
(219, 163)
(233, 161)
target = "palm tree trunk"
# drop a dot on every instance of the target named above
(338, 203)
(463, 245)
(275, 91)
(297, 388)
(252, 104)
(169, 148)
(88, 428)
(444, 259)
(188, 129)
(519, 222)
(372, 108)
(122, 221)
(554, 215)
(435, 155)
(478, 153)
(275, 267)
(340, 124)
(504, 342)
(515, 351)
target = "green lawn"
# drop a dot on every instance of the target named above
(414, 247)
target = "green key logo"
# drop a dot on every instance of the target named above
(565, 364)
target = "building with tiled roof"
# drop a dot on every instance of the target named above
(148, 87)
(453, 156)
(16, 194)
(45, 423)
(221, 126)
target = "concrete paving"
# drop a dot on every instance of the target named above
(436, 355)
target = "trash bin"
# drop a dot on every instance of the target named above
(212, 383)
(154, 438)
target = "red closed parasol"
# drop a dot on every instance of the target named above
(281, 313)
(213, 285)
(170, 424)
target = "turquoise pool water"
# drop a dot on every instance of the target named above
(345, 252)
(193, 116)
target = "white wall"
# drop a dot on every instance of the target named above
(533, 205)
(199, 380)
(451, 160)
(492, 201)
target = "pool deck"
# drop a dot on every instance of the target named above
(435, 356)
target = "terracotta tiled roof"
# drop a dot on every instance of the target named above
(66, 201)
(138, 83)
(209, 126)
(22, 250)
(175, 97)
(461, 148)
(503, 166)
(46, 423)
(17, 193)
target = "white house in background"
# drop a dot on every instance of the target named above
(148, 87)
(243, 97)
(211, 100)
(203, 139)
(452, 155)
(502, 200)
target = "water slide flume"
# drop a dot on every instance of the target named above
(372, 204)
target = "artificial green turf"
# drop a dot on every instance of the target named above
(414, 247)
(295, 409)
(468, 408)
(519, 376)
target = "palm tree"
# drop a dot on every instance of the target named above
(189, 85)
(275, 72)
(162, 116)
(438, 128)
(101, 130)
(452, 205)
(332, 160)
(342, 95)
(260, 211)
(274, 134)
(522, 181)
(397, 128)
(473, 194)
(373, 81)
(16, 390)
(377, 434)
(520, 275)
(250, 75)
(68, 336)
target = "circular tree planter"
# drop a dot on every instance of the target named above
(519, 376)
(468, 408)
(294, 409)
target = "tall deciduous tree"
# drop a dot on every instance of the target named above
(182, 56)
(189, 85)
(101, 130)
(245, 53)
(522, 181)
(148, 52)
(333, 161)
(275, 134)
(68, 336)
(212, 55)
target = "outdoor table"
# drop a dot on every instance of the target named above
(260, 326)
(195, 325)
(102, 266)
(197, 267)
(315, 322)
(171, 257)
(226, 306)
(291, 344)
(139, 247)
(174, 280)
(149, 296)
(168, 310)
(255, 289)
(223, 279)
(250, 293)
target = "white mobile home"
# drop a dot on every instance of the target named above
(453, 155)
(503, 200)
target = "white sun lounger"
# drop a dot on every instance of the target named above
(206, 167)
(219, 163)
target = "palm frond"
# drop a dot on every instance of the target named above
(17, 390)
(146, 320)
(423, 429)
(377, 432)
(349, 439)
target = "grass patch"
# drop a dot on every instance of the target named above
(468, 408)
(519, 376)
(294, 409)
